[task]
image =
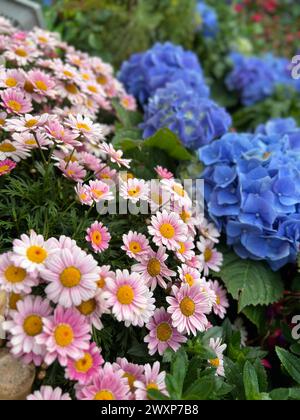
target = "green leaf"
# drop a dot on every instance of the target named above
(128, 119)
(290, 362)
(234, 377)
(284, 394)
(251, 382)
(261, 376)
(250, 282)
(201, 390)
(153, 394)
(257, 315)
(178, 371)
(167, 141)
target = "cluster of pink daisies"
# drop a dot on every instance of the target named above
(57, 293)
(50, 97)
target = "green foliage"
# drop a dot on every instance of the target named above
(250, 282)
(114, 29)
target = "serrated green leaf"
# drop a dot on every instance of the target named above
(250, 382)
(201, 390)
(257, 315)
(290, 362)
(178, 370)
(250, 282)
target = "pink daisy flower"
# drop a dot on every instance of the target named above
(128, 102)
(105, 173)
(176, 191)
(189, 275)
(11, 78)
(13, 150)
(26, 324)
(99, 237)
(64, 242)
(221, 303)
(90, 161)
(31, 252)
(84, 194)
(66, 335)
(28, 122)
(129, 298)
(85, 127)
(153, 269)
(13, 278)
(210, 258)
(162, 333)
(209, 231)
(21, 53)
(195, 263)
(185, 252)
(131, 371)
(72, 170)
(16, 101)
(93, 309)
(6, 166)
(72, 277)
(153, 379)
(168, 230)
(163, 173)
(115, 155)
(135, 244)
(47, 393)
(100, 191)
(219, 348)
(134, 190)
(107, 385)
(32, 141)
(83, 370)
(42, 83)
(105, 274)
(189, 307)
(58, 132)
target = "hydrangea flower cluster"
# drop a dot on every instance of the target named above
(209, 21)
(146, 72)
(252, 191)
(197, 120)
(255, 78)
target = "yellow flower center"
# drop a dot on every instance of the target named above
(64, 335)
(70, 277)
(152, 385)
(86, 76)
(7, 147)
(218, 300)
(207, 254)
(31, 141)
(179, 190)
(43, 39)
(41, 85)
(104, 395)
(11, 82)
(37, 254)
(83, 126)
(101, 283)
(68, 73)
(167, 230)
(88, 307)
(33, 325)
(14, 298)
(21, 52)
(187, 306)
(134, 192)
(97, 237)
(2, 122)
(215, 362)
(102, 80)
(31, 123)
(15, 105)
(164, 332)
(182, 248)
(28, 87)
(71, 88)
(98, 193)
(15, 274)
(189, 279)
(85, 364)
(135, 247)
(131, 379)
(154, 267)
(125, 295)
(185, 216)
(92, 89)
(4, 168)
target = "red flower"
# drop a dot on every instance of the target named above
(257, 17)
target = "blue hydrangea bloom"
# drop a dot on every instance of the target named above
(252, 191)
(146, 72)
(209, 20)
(195, 119)
(255, 78)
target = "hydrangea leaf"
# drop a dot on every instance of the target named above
(250, 282)
(167, 141)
